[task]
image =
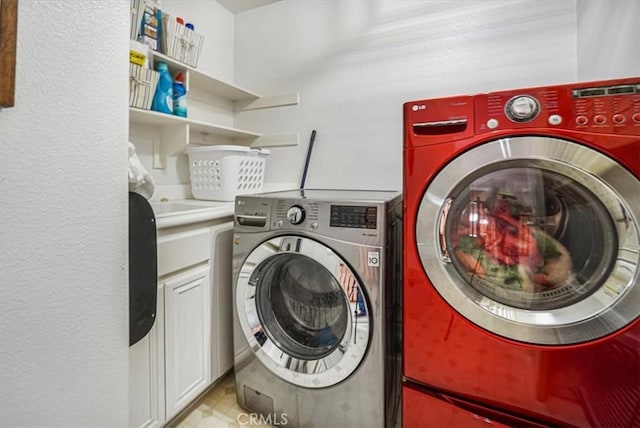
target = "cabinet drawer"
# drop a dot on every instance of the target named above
(180, 250)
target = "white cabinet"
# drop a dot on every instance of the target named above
(190, 345)
(211, 105)
(184, 274)
(143, 384)
(146, 374)
(187, 337)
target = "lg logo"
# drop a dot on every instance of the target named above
(418, 107)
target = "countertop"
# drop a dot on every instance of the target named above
(179, 212)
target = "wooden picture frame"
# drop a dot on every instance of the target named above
(8, 33)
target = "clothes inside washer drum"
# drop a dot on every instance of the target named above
(301, 305)
(312, 296)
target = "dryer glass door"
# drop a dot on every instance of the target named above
(295, 309)
(536, 239)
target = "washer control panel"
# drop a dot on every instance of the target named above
(348, 216)
(308, 215)
(611, 107)
(343, 220)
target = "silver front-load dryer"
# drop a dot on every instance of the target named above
(317, 295)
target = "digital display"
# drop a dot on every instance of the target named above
(601, 92)
(353, 216)
(621, 90)
(592, 93)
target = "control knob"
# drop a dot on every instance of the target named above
(295, 214)
(522, 108)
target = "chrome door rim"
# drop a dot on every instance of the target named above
(309, 373)
(608, 309)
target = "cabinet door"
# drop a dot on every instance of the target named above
(146, 376)
(187, 336)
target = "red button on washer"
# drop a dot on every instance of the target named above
(599, 119)
(636, 117)
(582, 120)
(618, 118)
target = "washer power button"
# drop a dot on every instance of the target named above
(555, 119)
(582, 120)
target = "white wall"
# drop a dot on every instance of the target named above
(356, 62)
(63, 210)
(608, 39)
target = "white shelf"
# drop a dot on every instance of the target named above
(174, 132)
(154, 118)
(209, 83)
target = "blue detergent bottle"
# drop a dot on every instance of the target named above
(179, 96)
(163, 98)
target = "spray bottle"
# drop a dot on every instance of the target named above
(179, 96)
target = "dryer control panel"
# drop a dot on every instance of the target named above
(603, 107)
(608, 107)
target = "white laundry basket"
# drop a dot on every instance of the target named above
(219, 173)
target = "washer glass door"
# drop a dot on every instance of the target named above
(536, 239)
(294, 304)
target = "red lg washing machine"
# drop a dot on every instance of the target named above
(521, 258)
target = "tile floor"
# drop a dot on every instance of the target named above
(217, 409)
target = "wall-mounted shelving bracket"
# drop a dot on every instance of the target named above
(173, 139)
(270, 101)
(279, 140)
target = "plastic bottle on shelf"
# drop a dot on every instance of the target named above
(179, 96)
(163, 98)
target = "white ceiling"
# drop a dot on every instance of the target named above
(237, 6)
